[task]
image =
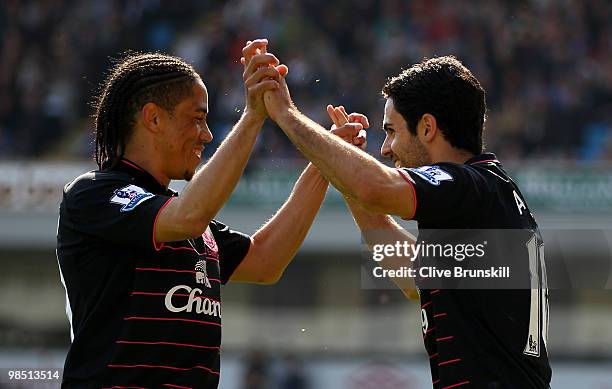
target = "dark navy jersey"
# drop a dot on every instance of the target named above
(142, 314)
(477, 338)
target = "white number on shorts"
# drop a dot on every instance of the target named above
(424, 322)
(538, 311)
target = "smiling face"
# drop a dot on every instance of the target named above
(184, 134)
(404, 148)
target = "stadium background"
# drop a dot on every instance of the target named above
(547, 70)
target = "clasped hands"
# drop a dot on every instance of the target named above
(267, 94)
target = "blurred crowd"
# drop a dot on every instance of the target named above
(546, 65)
(262, 371)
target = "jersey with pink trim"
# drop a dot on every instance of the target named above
(480, 337)
(142, 313)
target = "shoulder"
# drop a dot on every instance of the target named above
(217, 226)
(95, 184)
(95, 178)
(444, 173)
(222, 232)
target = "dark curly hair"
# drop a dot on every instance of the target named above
(137, 79)
(446, 89)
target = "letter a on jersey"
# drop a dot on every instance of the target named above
(519, 202)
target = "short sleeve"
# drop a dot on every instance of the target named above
(113, 210)
(233, 247)
(445, 191)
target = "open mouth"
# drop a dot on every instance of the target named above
(397, 164)
(198, 153)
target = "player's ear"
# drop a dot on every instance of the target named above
(151, 115)
(427, 128)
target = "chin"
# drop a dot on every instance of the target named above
(190, 171)
(414, 162)
(405, 164)
(188, 175)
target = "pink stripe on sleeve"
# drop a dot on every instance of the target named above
(155, 245)
(409, 181)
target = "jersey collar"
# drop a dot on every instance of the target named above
(482, 158)
(142, 177)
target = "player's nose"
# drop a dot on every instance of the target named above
(385, 149)
(205, 135)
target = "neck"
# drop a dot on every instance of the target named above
(148, 161)
(451, 154)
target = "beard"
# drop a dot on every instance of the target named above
(188, 175)
(414, 155)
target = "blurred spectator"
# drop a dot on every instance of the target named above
(257, 374)
(293, 375)
(546, 65)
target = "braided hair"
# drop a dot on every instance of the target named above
(133, 82)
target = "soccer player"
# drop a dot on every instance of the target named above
(434, 120)
(142, 266)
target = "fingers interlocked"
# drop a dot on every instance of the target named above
(349, 127)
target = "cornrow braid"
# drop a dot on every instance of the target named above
(136, 80)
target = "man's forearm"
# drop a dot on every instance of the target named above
(367, 221)
(349, 169)
(276, 243)
(382, 229)
(212, 185)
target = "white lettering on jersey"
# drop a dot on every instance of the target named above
(195, 302)
(432, 174)
(130, 197)
(519, 202)
(424, 321)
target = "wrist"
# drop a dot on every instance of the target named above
(287, 116)
(252, 117)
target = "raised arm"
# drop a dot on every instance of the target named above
(382, 229)
(188, 216)
(353, 172)
(375, 228)
(275, 244)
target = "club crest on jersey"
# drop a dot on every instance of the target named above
(432, 174)
(201, 276)
(209, 240)
(130, 197)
